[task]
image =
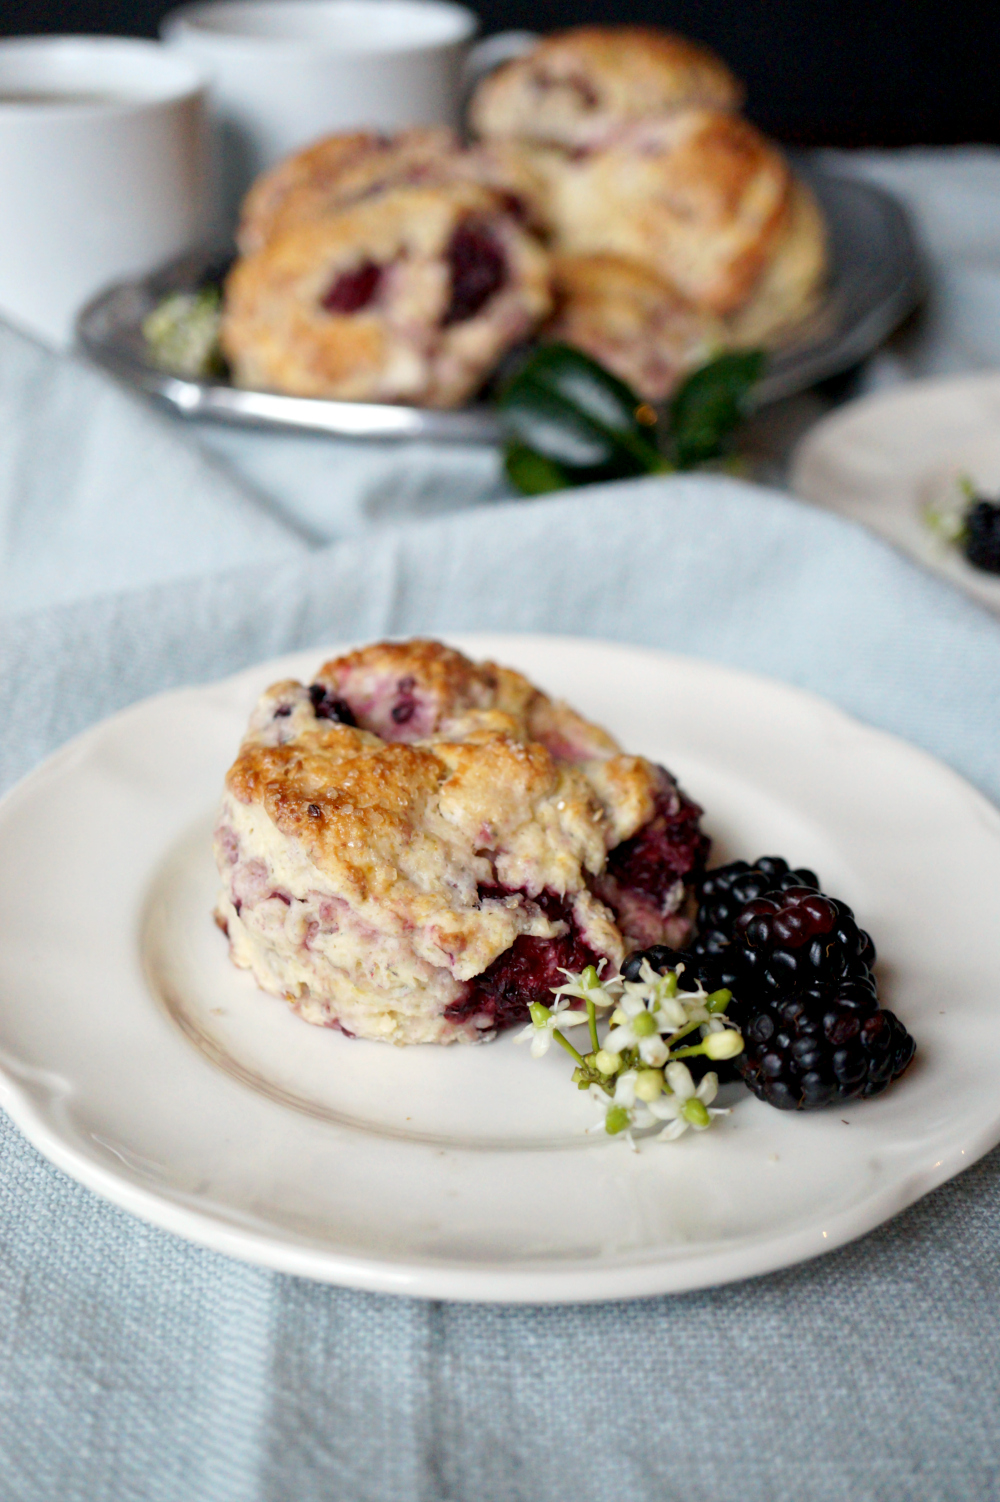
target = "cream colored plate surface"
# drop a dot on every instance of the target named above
(884, 459)
(137, 1059)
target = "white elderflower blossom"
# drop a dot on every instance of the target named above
(623, 1111)
(588, 986)
(545, 1021)
(685, 1106)
(636, 1075)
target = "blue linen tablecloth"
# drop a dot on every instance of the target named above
(138, 1367)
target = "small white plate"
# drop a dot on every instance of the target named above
(884, 459)
(140, 1061)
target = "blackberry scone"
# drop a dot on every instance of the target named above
(631, 321)
(410, 296)
(346, 168)
(699, 196)
(414, 846)
(336, 171)
(571, 87)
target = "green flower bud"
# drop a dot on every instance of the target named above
(643, 1026)
(649, 1084)
(723, 1045)
(607, 1062)
(617, 1120)
(694, 1112)
(719, 1000)
(539, 1013)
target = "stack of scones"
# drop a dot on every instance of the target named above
(612, 197)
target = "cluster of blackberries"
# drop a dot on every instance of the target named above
(982, 535)
(804, 995)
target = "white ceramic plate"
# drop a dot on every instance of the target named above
(883, 459)
(137, 1059)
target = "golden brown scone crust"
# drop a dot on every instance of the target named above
(354, 863)
(336, 171)
(277, 334)
(343, 169)
(789, 286)
(484, 726)
(575, 84)
(633, 322)
(699, 196)
(446, 688)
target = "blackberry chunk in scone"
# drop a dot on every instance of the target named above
(414, 847)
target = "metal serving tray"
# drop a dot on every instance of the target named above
(875, 281)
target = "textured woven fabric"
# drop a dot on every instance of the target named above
(97, 492)
(137, 1367)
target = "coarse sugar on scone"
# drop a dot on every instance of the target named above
(414, 846)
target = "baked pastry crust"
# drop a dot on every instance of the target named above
(788, 288)
(698, 195)
(286, 327)
(572, 86)
(336, 171)
(632, 321)
(343, 169)
(372, 871)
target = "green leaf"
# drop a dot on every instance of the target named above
(531, 473)
(710, 405)
(566, 408)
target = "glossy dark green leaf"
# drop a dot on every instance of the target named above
(710, 405)
(531, 473)
(564, 406)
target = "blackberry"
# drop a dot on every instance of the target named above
(353, 290)
(478, 270)
(797, 938)
(805, 1052)
(724, 893)
(327, 706)
(527, 971)
(804, 996)
(981, 543)
(661, 959)
(667, 849)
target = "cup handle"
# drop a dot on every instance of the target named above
(482, 57)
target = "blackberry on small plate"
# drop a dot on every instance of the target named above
(796, 938)
(804, 995)
(724, 893)
(802, 1052)
(982, 535)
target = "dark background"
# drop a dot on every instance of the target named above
(839, 72)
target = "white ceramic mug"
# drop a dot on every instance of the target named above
(287, 71)
(103, 170)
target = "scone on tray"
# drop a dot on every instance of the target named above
(631, 321)
(409, 296)
(699, 196)
(343, 169)
(336, 171)
(414, 846)
(572, 86)
(631, 149)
